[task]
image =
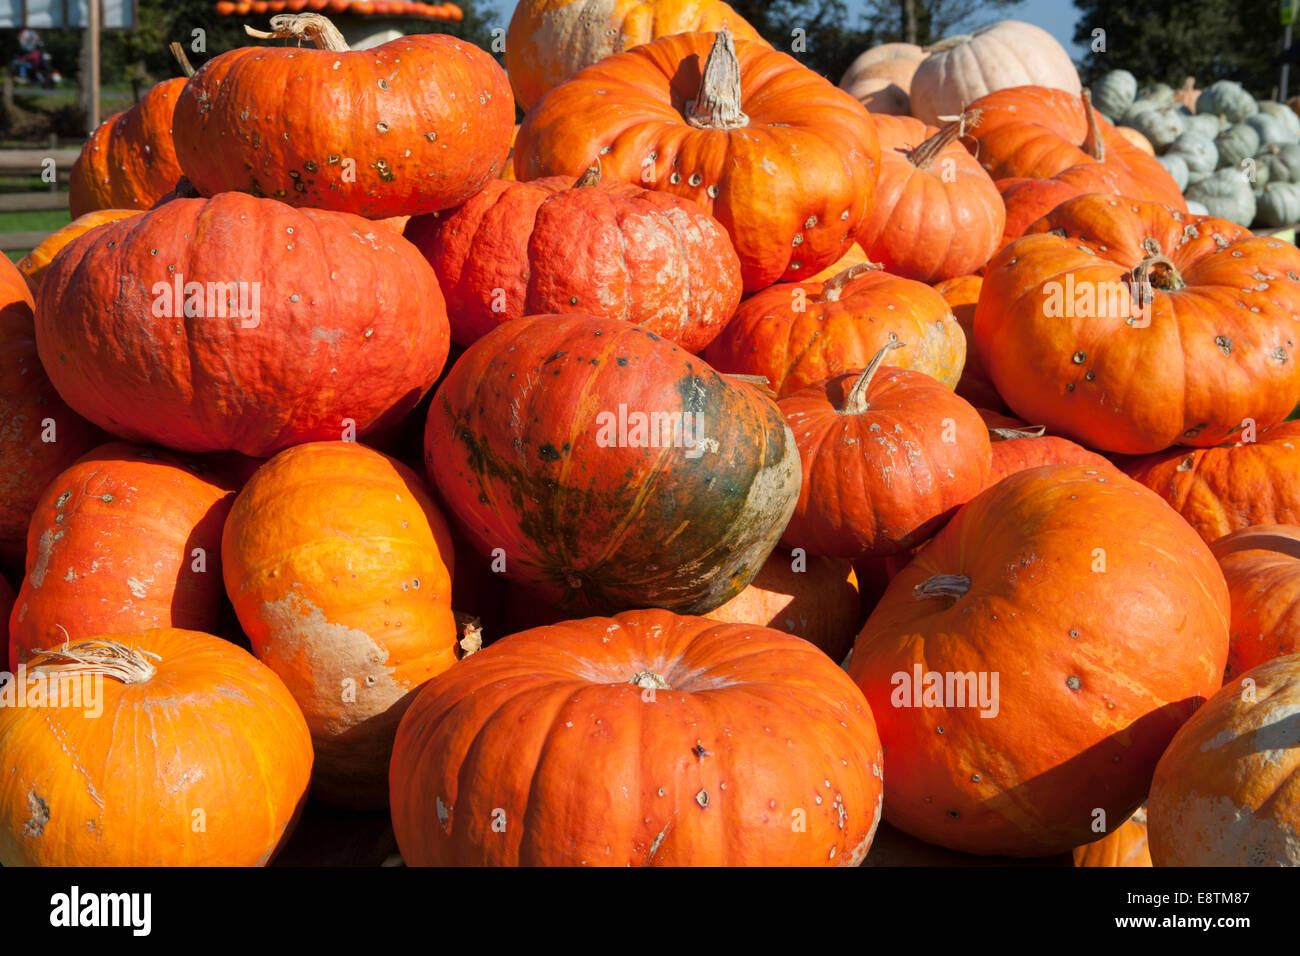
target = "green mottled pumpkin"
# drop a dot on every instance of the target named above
(1198, 151)
(1205, 124)
(1278, 204)
(1159, 124)
(1114, 93)
(1236, 143)
(1272, 129)
(1227, 194)
(1285, 114)
(1278, 164)
(1176, 166)
(1227, 99)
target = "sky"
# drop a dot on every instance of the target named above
(1057, 17)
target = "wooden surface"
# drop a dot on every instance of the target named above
(32, 202)
(32, 160)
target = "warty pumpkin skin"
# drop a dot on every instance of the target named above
(1229, 487)
(548, 41)
(785, 161)
(604, 248)
(1224, 793)
(1066, 343)
(200, 757)
(646, 739)
(34, 264)
(1126, 845)
(414, 125)
(1262, 567)
(887, 455)
(567, 488)
(348, 326)
(129, 161)
(126, 539)
(1106, 620)
(339, 565)
(798, 334)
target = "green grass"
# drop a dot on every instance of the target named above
(46, 220)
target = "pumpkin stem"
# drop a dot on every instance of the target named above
(590, 177)
(300, 26)
(1156, 272)
(130, 665)
(1006, 434)
(856, 401)
(178, 52)
(1279, 538)
(923, 156)
(942, 585)
(834, 286)
(947, 43)
(647, 679)
(717, 105)
(760, 382)
(1093, 144)
(471, 632)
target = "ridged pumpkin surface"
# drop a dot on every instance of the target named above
(647, 739)
(1262, 567)
(34, 264)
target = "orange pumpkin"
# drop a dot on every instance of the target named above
(646, 739)
(962, 293)
(339, 565)
(1126, 845)
(193, 754)
(33, 264)
(784, 160)
(854, 257)
(1224, 793)
(1018, 446)
(1262, 568)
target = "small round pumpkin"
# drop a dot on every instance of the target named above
(1262, 567)
(339, 566)
(1226, 193)
(1224, 793)
(646, 739)
(1228, 99)
(1278, 204)
(1237, 143)
(193, 754)
(1114, 92)
(1126, 845)
(34, 264)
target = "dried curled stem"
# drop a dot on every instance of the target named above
(130, 665)
(717, 105)
(1093, 144)
(855, 403)
(834, 286)
(924, 155)
(942, 585)
(303, 26)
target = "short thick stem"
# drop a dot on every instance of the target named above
(924, 155)
(833, 287)
(1093, 143)
(943, 585)
(717, 105)
(648, 679)
(589, 178)
(1157, 272)
(303, 26)
(1007, 434)
(855, 403)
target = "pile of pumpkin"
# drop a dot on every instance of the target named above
(542, 503)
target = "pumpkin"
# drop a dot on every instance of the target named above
(1278, 164)
(1278, 204)
(194, 754)
(7, 605)
(508, 169)
(1176, 166)
(1126, 845)
(784, 160)
(1237, 143)
(648, 738)
(1224, 792)
(34, 264)
(937, 214)
(548, 41)
(1227, 194)
(881, 53)
(126, 539)
(1283, 114)
(1137, 139)
(1229, 487)
(129, 160)
(854, 257)
(1228, 99)
(880, 78)
(244, 324)
(1159, 125)
(963, 68)
(962, 293)
(629, 473)
(887, 454)
(798, 334)
(1017, 447)
(1113, 93)
(611, 249)
(1029, 200)
(1071, 340)
(1196, 208)
(339, 566)
(1199, 152)
(1202, 124)
(1187, 95)
(1105, 619)
(1262, 567)
(418, 124)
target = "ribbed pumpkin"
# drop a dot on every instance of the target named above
(1262, 567)
(194, 755)
(1061, 330)
(1105, 619)
(1229, 487)
(881, 78)
(798, 334)
(962, 293)
(345, 328)
(1017, 446)
(418, 124)
(646, 739)
(129, 161)
(34, 264)
(587, 499)
(605, 248)
(40, 435)
(1224, 793)
(784, 160)
(550, 40)
(339, 565)
(127, 539)
(1126, 845)
(937, 214)
(888, 454)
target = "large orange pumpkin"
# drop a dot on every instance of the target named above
(1225, 792)
(34, 264)
(1018, 446)
(191, 754)
(418, 124)
(645, 739)
(784, 160)
(798, 334)
(129, 161)
(1130, 327)
(1125, 846)
(605, 248)
(548, 41)
(1105, 620)
(962, 293)
(339, 565)
(1262, 567)
(242, 324)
